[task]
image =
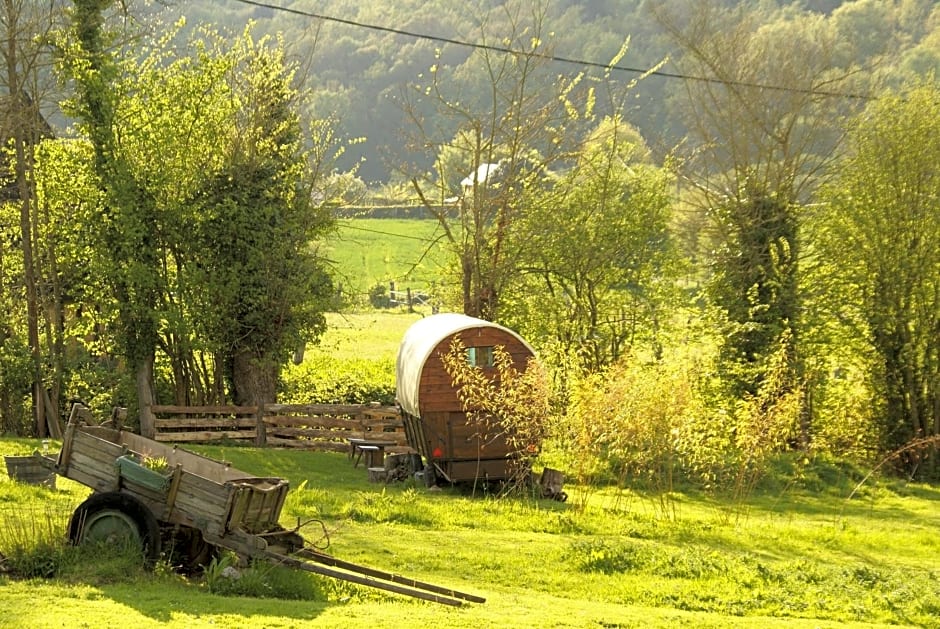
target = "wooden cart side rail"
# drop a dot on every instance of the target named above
(255, 546)
(322, 558)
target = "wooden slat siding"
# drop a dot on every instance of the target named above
(204, 423)
(322, 409)
(204, 410)
(436, 393)
(320, 421)
(333, 434)
(199, 502)
(90, 471)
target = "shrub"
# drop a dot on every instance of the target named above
(628, 421)
(508, 404)
(324, 380)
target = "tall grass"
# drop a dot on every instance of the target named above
(32, 540)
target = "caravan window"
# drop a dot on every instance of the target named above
(480, 356)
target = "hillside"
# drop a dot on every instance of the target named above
(362, 61)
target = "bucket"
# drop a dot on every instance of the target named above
(31, 470)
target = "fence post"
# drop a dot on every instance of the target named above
(261, 437)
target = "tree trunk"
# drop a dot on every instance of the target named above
(20, 126)
(254, 379)
(145, 397)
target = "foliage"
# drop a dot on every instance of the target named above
(259, 580)
(128, 239)
(31, 543)
(598, 278)
(15, 382)
(754, 286)
(627, 424)
(264, 288)
(658, 425)
(325, 380)
(220, 159)
(503, 403)
(878, 238)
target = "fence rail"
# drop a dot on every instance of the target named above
(305, 426)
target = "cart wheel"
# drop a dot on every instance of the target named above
(116, 518)
(187, 550)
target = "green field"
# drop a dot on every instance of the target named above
(370, 334)
(367, 251)
(802, 555)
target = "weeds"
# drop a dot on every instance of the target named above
(225, 577)
(32, 543)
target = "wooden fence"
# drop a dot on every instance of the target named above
(309, 426)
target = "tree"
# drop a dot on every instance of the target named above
(763, 120)
(509, 130)
(879, 236)
(599, 250)
(208, 209)
(129, 218)
(262, 290)
(25, 28)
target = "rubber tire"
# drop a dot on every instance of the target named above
(123, 508)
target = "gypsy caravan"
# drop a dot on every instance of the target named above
(436, 425)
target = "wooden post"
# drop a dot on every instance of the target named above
(261, 437)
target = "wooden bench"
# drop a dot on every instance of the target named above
(373, 449)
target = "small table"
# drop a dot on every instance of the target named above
(374, 450)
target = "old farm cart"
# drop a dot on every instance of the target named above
(153, 494)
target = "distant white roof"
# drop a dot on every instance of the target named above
(416, 346)
(482, 175)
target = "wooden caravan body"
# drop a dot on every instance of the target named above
(436, 425)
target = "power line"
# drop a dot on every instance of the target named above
(376, 231)
(555, 58)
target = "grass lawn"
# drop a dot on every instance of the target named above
(369, 334)
(802, 556)
(370, 251)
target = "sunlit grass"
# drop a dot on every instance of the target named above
(792, 557)
(369, 334)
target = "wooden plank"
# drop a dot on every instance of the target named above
(217, 410)
(94, 482)
(321, 421)
(204, 422)
(82, 464)
(321, 409)
(196, 507)
(203, 490)
(202, 435)
(319, 446)
(311, 433)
